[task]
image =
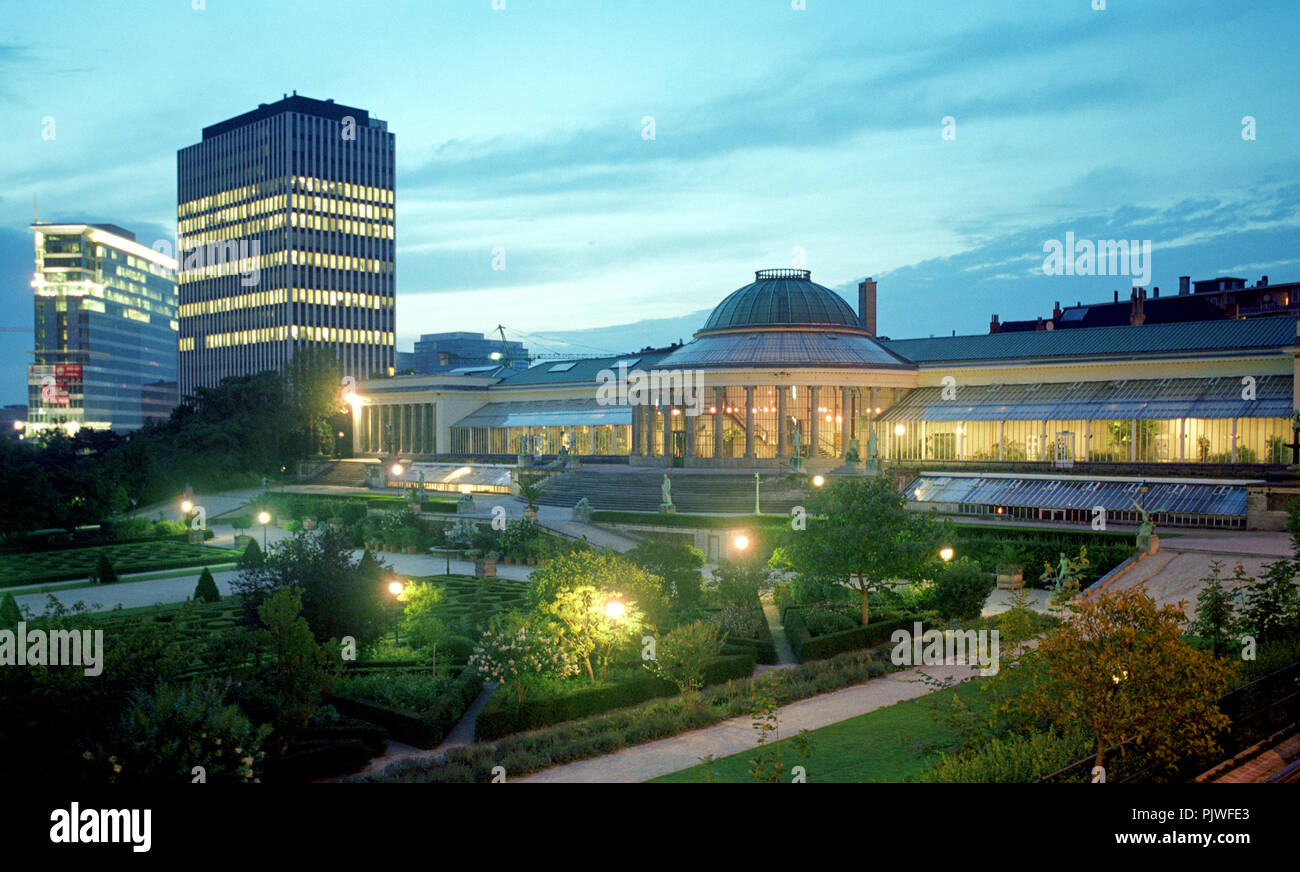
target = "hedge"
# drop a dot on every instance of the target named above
(503, 716)
(809, 647)
(424, 729)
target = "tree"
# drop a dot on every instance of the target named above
(518, 653)
(1214, 609)
(104, 571)
(206, 591)
(677, 564)
(682, 655)
(588, 625)
(1120, 669)
(10, 614)
(606, 571)
(860, 531)
(303, 670)
(1271, 604)
(420, 615)
(252, 558)
(341, 596)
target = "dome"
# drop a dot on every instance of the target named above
(782, 298)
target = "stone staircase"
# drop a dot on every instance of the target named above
(343, 474)
(692, 492)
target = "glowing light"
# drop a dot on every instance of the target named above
(959, 431)
(18, 425)
(356, 401)
(496, 355)
(615, 609)
(397, 470)
(741, 542)
(713, 410)
(818, 480)
(263, 518)
(839, 419)
(187, 506)
(677, 411)
(829, 419)
(899, 429)
(395, 588)
(946, 554)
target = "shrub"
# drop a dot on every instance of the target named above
(10, 614)
(960, 590)
(455, 649)
(1010, 760)
(682, 655)
(243, 522)
(104, 572)
(252, 558)
(206, 590)
(807, 647)
(824, 618)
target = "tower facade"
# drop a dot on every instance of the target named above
(286, 240)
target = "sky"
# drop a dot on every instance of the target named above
(637, 161)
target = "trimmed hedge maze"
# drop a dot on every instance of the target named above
(76, 563)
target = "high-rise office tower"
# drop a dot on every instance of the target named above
(105, 330)
(286, 240)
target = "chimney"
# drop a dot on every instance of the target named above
(1155, 292)
(1136, 315)
(867, 304)
(1184, 285)
(1263, 282)
(1117, 296)
(1039, 325)
(1056, 311)
(995, 327)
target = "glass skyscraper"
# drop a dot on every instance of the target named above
(105, 330)
(286, 240)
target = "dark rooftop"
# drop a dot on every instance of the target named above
(293, 103)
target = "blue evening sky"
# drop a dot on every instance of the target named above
(779, 133)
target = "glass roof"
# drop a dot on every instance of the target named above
(546, 413)
(1142, 399)
(1203, 498)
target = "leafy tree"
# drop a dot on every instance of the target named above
(682, 655)
(303, 669)
(10, 614)
(587, 627)
(859, 531)
(518, 653)
(960, 590)
(1119, 668)
(677, 564)
(1214, 609)
(420, 614)
(740, 584)
(606, 571)
(206, 591)
(104, 572)
(341, 596)
(766, 766)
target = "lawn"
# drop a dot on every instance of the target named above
(895, 743)
(74, 563)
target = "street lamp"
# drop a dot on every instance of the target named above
(263, 518)
(946, 553)
(186, 507)
(615, 609)
(397, 470)
(741, 542)
(818, 480)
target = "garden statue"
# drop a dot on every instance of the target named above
(1147, 541)
(582, 511)
(852, 456)
(873, 454)
(796, 449)
(667, 490)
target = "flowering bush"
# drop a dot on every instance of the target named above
(518, 654)
(740, 622)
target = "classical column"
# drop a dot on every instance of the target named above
(719, 396)
(814, 394)
(782, 449)
(649, 430)
(636, 431)
(668, 430)
(846, 419)
(749, 422)
(690, 434)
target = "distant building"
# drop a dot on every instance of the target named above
(443, 352)
(1206, 300)
(106, 327)
(287, 238)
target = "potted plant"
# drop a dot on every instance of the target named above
(530, 491)
(1010, 567)
(409, 539)
(490, 564)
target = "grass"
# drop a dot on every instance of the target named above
(78, 563)
(895, 743)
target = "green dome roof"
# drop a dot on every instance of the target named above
(782, 298)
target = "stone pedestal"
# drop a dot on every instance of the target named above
(465, 505)
(667, 508)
